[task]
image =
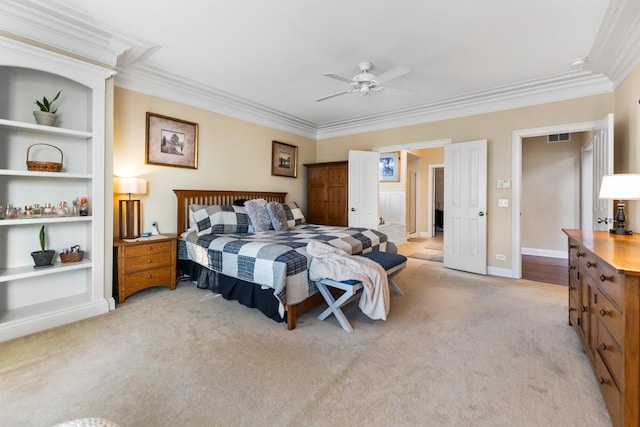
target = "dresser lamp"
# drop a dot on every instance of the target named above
(620, 187)
(129, 210)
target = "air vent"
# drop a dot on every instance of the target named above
(559, 137)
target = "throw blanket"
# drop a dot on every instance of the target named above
(329, 262)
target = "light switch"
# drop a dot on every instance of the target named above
(503, 183)
(503, 203)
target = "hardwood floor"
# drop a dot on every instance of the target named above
(544, 269)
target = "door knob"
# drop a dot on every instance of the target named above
(481, 213)
(353, 209)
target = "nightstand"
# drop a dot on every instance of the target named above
(144, 263)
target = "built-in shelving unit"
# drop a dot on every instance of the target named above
(33, 299)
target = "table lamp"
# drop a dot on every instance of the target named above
(129, 210)
(620, 187)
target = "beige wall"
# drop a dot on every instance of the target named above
(497, 128)
(627, 137)
(428, 156)
(232, 155)
(550, 191)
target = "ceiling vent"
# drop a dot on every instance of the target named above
(559, 137)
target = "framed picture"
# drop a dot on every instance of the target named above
(389, 168)
(171, 142)
(284, 159)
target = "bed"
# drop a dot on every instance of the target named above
(267, 270)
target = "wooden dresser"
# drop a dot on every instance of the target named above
(327, 193)
(144, 264)
(604, 309)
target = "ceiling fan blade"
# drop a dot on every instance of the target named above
(337, 77)
(333, 95)
(393, 73)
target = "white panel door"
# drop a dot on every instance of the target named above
(363, 189)
(602, 165)
(465, 206)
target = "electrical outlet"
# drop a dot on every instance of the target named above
(501, 257)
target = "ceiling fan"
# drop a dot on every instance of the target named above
(366, 82)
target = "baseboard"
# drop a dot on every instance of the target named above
(500, 272)
(544, 252)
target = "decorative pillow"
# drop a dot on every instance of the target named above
(219, 219)
(258, 215)
(277, 215)
(294, 215)
(239, 202)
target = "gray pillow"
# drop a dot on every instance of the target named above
(257, 211)
(277, 215)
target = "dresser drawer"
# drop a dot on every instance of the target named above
(610, 352)
(147, 248)
(610, 392)
(588, 262)
(611, 283)
(611, 318)
(146, 262)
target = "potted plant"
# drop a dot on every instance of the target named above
(46, 116)
(43, 258)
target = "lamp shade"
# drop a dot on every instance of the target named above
(622, 186)
(129, 185)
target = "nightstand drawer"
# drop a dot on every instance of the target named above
(147, 248)
(147, 279)
(146, 262)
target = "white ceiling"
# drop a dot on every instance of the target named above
(263, 60)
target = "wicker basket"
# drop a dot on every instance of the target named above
(72, 257)
(38, 166)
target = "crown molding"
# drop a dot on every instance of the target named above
(148, 79)
(616, 49)
(539, 91)
(58, 26)
(615, 52)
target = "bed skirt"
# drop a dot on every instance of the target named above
(246, 293)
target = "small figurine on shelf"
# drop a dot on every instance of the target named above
(84, 206)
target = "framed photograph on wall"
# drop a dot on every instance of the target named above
(284, 159)
(171, 142)
(389, 168)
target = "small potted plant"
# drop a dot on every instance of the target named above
(46, 115)
(43, 258)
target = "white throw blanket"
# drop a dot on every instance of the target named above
(329, 262)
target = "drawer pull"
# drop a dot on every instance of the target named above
(149, 276)
(602, 381)
(572, 246)
(604, 312)
(150, 248)
(572, 267)
(572, 288)
(590, 264)
(603, 347)
(584, 308)
(149, 261)
(572, 309)
(579, 254)
(604, 278)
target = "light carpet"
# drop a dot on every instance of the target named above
(457, 350)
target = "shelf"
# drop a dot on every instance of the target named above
(45, 220)
(48, 308)
(55, 175)
(27, 271)
(46, 130)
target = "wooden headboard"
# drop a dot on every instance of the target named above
(216, 197)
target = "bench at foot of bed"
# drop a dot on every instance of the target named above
(391, 262)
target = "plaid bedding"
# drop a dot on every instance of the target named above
(275, 259)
